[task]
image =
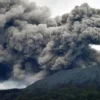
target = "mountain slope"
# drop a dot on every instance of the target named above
(75, 76)
(75, 84)
(61, 85)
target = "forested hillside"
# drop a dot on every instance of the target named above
(64, 93)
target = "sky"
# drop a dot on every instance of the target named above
(59, 7)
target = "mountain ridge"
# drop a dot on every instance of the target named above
(76, 76)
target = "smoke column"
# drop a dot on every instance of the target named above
(33, 45)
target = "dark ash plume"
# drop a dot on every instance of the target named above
(32, 44)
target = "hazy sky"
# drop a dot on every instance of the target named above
(59, 7)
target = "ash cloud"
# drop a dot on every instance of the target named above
(33, 45)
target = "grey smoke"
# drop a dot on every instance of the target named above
(32, 44)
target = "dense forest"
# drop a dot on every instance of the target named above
(9, 94)
(62, 93)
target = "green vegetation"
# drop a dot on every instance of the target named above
(9, 94)
(65, 93)
(62, 93)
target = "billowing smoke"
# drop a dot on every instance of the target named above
(34, 45)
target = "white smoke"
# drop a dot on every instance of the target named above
(11, 85)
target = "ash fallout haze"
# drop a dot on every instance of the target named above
(35, 43)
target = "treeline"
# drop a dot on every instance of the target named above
(65, 93)
(9, 94)
(62, 93)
